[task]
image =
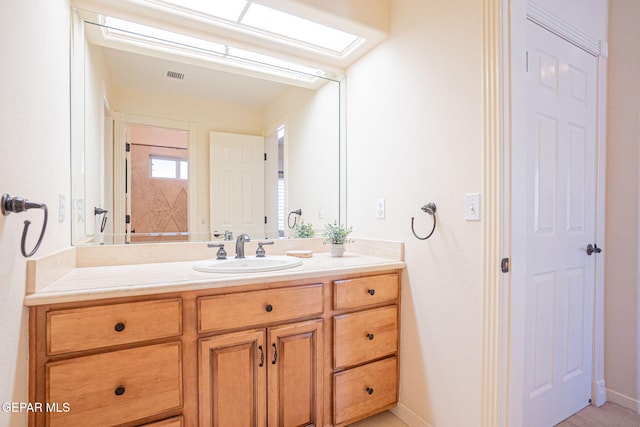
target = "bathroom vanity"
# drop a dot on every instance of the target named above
(315, 345)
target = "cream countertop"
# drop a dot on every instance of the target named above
(91, 283)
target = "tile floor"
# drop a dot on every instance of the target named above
(609, 415)
(384, 419)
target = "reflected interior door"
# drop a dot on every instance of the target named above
(560, 210)
(159, 184)
(237, 183)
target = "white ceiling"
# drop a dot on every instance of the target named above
(149, 73)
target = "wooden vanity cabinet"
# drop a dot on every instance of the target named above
(365, 346)
(297, 353)
(269, 376)
(232, 377)
(106, 364)
(115, 387)
(169, 422)
(276, 371)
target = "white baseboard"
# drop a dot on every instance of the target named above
(409, 417)
(623, 400)
(599, 392)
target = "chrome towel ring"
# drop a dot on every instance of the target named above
(10, 204)
(429, 208)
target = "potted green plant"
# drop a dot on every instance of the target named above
(337, 235)
(303, 230)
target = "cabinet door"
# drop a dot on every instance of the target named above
(295, 374)
(232, 380)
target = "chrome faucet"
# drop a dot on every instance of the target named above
(240, 241)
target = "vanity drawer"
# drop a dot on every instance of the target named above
(107, 325)
(114, 388)
(238, 310)
(364, 336)
(365, 390)
(365, 291)
(170, 422)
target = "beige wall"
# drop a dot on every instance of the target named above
(621, 245)
(34, 147)
(415, 136)
(312, 149)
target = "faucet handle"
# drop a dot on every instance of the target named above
(260, 253)
(221, 254)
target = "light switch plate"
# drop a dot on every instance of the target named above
(380, 208)
(472, 206)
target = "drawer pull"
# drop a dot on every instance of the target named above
(268, 308)
(370, 336)
(369, 390)
(275, 354)
(119, 327)
(119, 390)
(261, 356)
(372, 292)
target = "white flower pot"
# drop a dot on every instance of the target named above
(337, 249)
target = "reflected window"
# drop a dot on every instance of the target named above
(169, 167)
(281, 191)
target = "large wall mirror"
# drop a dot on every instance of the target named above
(187, 139)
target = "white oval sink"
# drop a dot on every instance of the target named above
(247, 265)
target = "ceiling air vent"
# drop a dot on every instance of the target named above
(175, 75)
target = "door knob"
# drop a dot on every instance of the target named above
(593, 249)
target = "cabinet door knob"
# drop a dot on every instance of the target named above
(369, 390)
(119, 327)
(119, 390)
(268, 308)
(370, 336)
(371, 292)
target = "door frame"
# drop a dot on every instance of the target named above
(504, 105)
(120, 122)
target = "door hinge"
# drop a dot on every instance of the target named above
(504, 265)
(127, 219)
(127, 147)
(526, 63)
(265, 157)
(265, 219)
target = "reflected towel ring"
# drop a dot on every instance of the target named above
(297, 212)
(100, 211)
(429, 208)
(10, 204)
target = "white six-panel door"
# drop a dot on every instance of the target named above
(237, 183)
(560, 209)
